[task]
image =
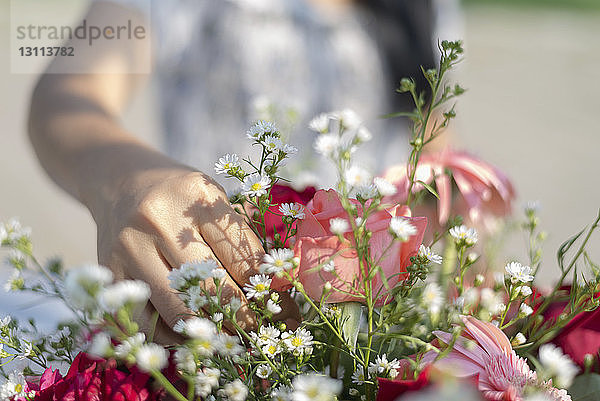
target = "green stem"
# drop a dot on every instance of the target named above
(168, 386)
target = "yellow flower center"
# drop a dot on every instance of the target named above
(296, 342)
(18, 388)
(272, 349)
(227, 166)
(256, 186)
(278, 263)
(260, 287)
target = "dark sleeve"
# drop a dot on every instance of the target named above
(404, 31)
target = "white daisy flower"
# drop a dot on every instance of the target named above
(363, 134)
(228, 345)
(130, 345)
(256, 184)
(218, 273)
(281, 393)
(277, 260)
(271, 349)
(15, 282)
(289, 149)
(464, 235)
(234, 304)
(263, 371)
(272, 143)
(13, 386)
(357, 176)
(557, 366)
(179, 327)
(27, 351)
(184, 360)
(217, 317)
(338, 226)
(268, 334)
(206, 381)
(226, 163)
(329, 267)
(195, 298)
(234, 391)
(367, 191)
(426, 253)
(273, 307)
(200, 328)
(258, 286)
(5, 321)
(294, 210)
(84, 283)
(151, 357)
(358, 377)
(298, 341)
(525, 290)
(327, 144)
(401, 228)
(313, 387)
(433, 298)
(349, 119)
(518, 272)
(382, 367)
(126, 292)
(191, 273)
(525, 310)
(384, 187)
(260, 128)
(519, 339)
(13, 231)
(320, 123)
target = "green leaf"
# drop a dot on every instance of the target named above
(351, 313)
(585, 387)
(429, 188)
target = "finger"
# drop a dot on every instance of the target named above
(176, 255)
(156, 329)
(226, 233)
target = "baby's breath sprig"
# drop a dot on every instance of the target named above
(426, 128)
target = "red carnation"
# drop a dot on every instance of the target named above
(284, 194)
(92, 380)
(390, 390)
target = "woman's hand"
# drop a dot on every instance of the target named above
(163, 218)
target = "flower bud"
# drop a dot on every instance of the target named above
(472, 258)
(518, 339)
(588, 361)
(478, 280)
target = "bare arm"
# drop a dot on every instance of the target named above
(152, 212)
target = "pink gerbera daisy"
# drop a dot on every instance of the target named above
(484, 352)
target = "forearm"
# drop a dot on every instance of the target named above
(82, 145)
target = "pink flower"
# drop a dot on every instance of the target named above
(316, 244)
(485, 190)
(484, 352)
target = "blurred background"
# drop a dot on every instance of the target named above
(531, 70)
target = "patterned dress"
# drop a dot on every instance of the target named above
(220, 64)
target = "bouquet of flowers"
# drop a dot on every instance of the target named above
(381, 314)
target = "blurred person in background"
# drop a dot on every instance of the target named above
(213, 60)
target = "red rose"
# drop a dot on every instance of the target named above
(284, 194)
